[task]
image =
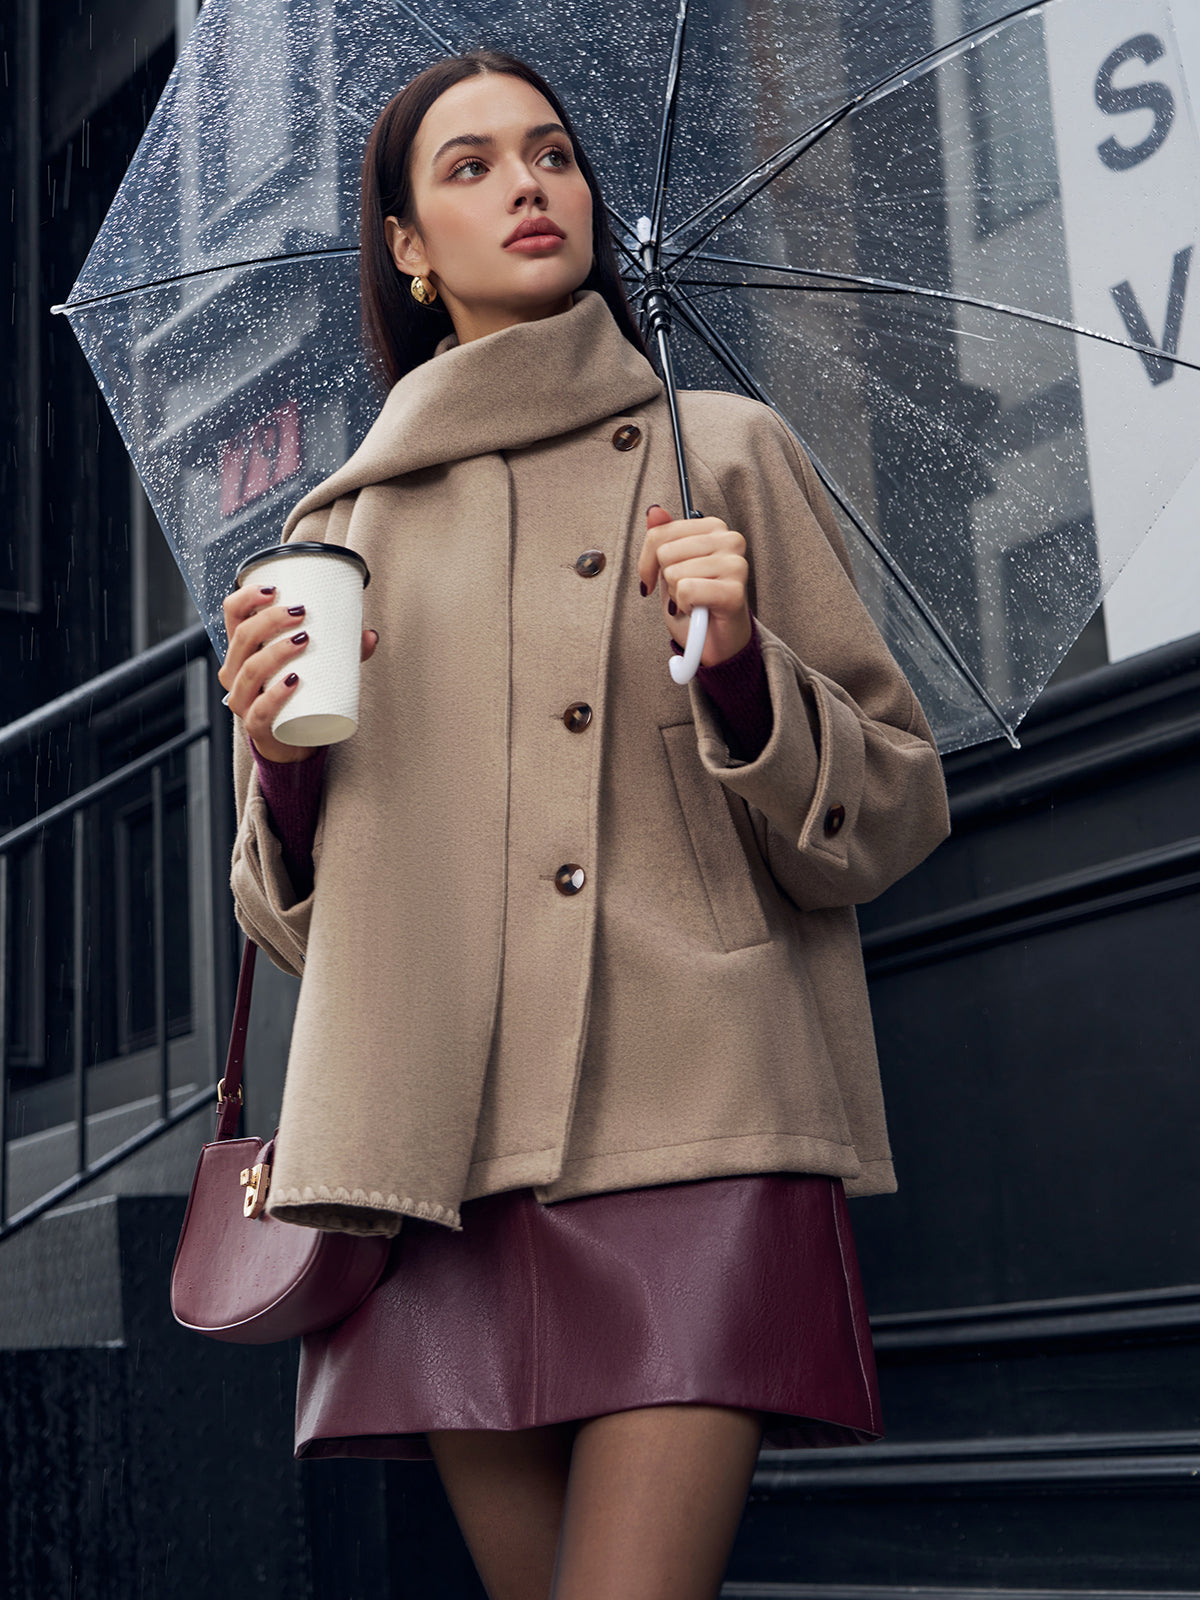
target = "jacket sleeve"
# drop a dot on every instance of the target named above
(848, 793)
(265, 901)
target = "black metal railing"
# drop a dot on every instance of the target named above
(116, 939)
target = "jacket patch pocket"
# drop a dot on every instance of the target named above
(720, 855)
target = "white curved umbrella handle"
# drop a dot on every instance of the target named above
(683, 668)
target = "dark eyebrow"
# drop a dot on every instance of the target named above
(479, 141)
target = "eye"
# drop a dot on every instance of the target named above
(561, 157)
(471, 161)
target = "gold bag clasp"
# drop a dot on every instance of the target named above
(257, 1180)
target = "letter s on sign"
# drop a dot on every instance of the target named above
(1155, 97)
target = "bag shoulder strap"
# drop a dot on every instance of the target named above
(229, 1090)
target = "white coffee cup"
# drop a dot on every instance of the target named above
(328, 581)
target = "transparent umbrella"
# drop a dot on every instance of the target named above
(948, 240)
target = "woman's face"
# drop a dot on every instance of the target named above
(489, 158)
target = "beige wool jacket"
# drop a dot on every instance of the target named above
(698, 1007)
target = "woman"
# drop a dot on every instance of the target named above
(583, 1003)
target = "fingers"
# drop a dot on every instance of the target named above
(660, 528)
(257, 623)
(261, 714)
(251, 624)
(719, 585)
(243, 604)
(697, 562)
(657, 518)
(248, 684)
(263, 639)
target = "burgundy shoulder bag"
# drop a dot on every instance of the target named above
(239, 1274)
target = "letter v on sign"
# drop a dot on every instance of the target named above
(1138, 328)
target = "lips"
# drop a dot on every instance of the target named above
(535, 227)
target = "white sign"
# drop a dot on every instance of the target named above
(1129, 167)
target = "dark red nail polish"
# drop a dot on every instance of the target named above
(292, 679)
(271, 590)
(299, 638)
(644, 590)
(295, 611)
(672, 608)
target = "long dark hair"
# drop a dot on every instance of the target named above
(398, 333)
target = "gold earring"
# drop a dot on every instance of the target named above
(423, 293)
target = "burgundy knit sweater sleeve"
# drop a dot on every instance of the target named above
(292, 790)
(738, 688)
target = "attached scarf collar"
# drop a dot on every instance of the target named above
(503, 392)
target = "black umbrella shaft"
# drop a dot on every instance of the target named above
(658, 316)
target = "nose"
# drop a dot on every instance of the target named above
(527, 188)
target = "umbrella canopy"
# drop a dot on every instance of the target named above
(871, 214)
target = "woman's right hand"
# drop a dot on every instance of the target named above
(263, 637)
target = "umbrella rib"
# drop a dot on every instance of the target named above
(415, 16)
(200, 272)
(666, 135)
(803, 288)
(263, 261)
(790, 152)
(850, 282)
(704, 330)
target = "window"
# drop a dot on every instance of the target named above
(1011, 125)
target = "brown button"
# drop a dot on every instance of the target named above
(577, 717)
(834, 818)
(590, 563)
(627, 438)
(570, 879)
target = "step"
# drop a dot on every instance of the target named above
(38, 1162)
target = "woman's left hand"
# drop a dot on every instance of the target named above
(698, 563)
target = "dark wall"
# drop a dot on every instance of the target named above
(1034, 997)
(81, 84)
(1035, 1284)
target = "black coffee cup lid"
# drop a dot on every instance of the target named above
(302, 547)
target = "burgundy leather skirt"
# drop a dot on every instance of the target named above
(730, 1291)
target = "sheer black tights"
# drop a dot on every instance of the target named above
(639, 1505)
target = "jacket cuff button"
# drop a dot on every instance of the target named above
(834, 818)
